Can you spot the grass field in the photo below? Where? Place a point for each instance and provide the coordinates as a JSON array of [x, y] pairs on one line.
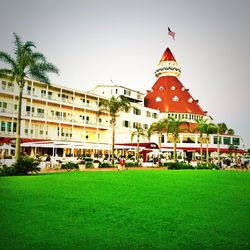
[[134, 209]]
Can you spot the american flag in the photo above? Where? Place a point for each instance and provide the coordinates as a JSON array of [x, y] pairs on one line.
[[171, 33]]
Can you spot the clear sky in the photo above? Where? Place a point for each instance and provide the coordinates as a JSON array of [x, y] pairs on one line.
[[96, 41]]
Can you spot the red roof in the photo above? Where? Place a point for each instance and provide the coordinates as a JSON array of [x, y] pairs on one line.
[[169, 95], [167, 56]]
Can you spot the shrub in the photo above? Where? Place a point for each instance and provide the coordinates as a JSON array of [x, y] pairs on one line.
[[207, 166], [105, 165], [7, 171], [130, 164], [178, 165], [23, 166], [89, 164], [70, 165], [88, 160]]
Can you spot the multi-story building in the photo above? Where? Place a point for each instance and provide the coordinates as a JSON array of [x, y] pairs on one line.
[[59, 114], [64, 118]]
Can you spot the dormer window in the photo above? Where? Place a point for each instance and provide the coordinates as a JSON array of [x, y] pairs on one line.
[[161, 88], [158, 99], [190, 100], [183, 89], [175, 99], [173, 87]]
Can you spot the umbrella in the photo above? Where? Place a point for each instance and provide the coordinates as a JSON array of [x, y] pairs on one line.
[[6, 146]]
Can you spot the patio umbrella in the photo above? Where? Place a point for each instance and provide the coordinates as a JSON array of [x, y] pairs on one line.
[[7, 146]]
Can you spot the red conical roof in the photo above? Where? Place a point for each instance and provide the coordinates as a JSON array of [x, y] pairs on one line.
[[168, 95], [167, 56]]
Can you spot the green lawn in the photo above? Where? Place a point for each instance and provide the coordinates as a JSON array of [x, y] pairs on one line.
[[134, 209]]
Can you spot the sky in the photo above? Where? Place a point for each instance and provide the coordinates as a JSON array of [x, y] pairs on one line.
[[99, 42]]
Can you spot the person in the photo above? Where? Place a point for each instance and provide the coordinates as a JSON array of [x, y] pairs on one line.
[[220, 165], [121, 162], [48, 158], [38, 159]]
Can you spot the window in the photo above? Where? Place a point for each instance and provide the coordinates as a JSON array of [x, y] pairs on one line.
[[116, 91], [148, 114], [43, 93], [127, 92], [126, 124], [2, 126], [162, 139], [14, 126], [3, 85], [29, 90], [137, 111], [161, 88], [40, 111], [226, 140], [127, 109], [215, 140], [9, 126], [3, 105], [175, 99], [190, 100], [145, 126], [10, 86], [236, 141], [158, 99], [136, 124], [173, 87], [154, 115]]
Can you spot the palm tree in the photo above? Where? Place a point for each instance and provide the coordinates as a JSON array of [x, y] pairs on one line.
[[159, 127], [26, 64], [230, 131], [174, 127], [113, 107], [209, 128], [233, 148], [221, 129], [138, 133], [149, 133], [201, 124]]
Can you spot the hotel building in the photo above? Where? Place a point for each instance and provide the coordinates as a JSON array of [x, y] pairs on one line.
[[67, 119]]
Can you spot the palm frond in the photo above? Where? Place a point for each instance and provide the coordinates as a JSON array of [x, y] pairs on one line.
[[28, 46], [18, 44], [38, 57], [6, 58], [47, 67], [6, 73], [39, 75]]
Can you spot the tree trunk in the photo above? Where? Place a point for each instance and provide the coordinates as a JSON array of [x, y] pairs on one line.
[[218, 147], [138, 142], [19, 119], [160, 135], [207, 151], [175, 149], [201, 153], [113, 142]]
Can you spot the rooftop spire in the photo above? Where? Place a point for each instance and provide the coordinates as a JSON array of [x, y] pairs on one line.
[[168, 65]]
